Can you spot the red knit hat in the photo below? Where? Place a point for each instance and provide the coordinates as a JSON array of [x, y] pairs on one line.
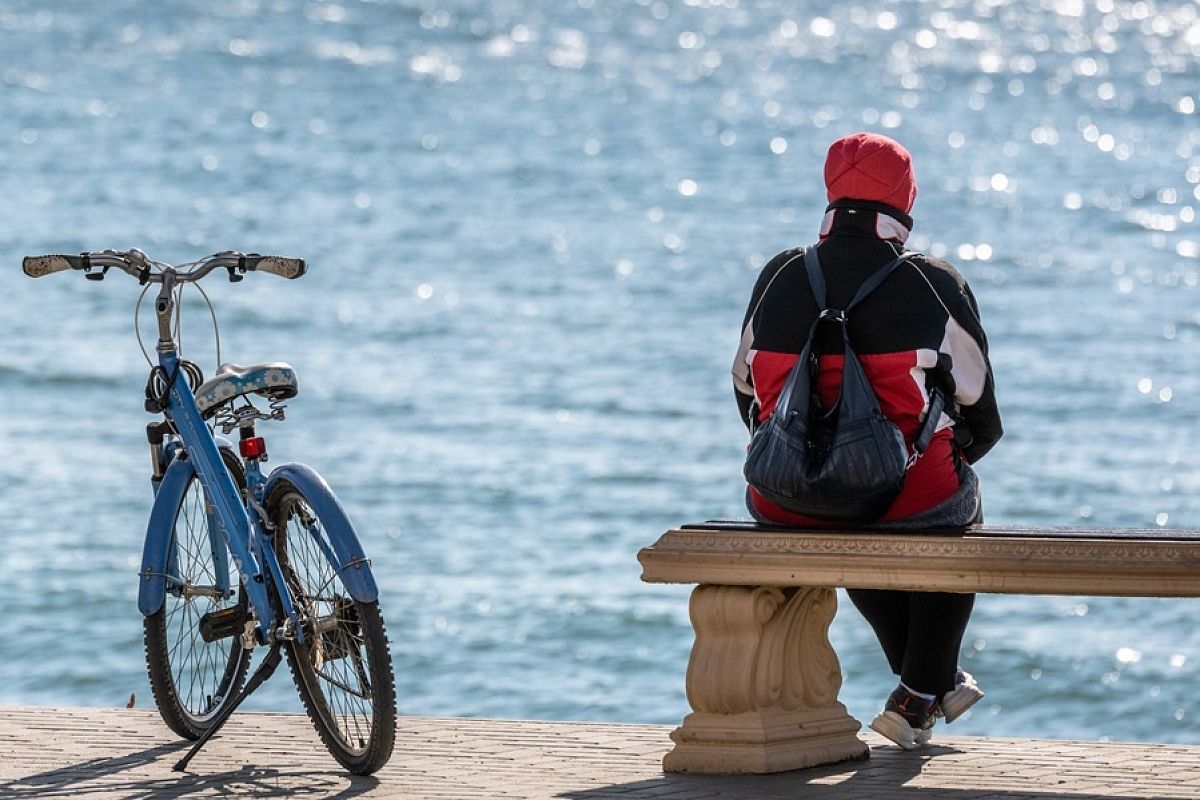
[[868, 166]]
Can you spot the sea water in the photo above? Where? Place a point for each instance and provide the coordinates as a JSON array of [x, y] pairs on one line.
[[532, 230]]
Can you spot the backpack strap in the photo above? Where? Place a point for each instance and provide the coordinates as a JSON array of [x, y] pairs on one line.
[[816, 280], [937, 404], [876, 279]]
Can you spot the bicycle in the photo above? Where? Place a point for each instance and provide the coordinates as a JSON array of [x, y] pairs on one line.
[[235, 559]]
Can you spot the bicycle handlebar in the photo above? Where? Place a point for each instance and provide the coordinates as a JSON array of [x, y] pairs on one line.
[[39, 266], [135, 263], [290, 268]]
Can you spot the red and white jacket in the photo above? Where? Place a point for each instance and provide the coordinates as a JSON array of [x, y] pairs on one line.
[[920, 329]]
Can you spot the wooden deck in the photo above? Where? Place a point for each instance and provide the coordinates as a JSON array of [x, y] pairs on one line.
[[109, 753]]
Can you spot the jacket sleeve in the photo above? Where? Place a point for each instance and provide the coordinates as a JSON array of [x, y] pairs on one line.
[[743, 381], [979, 426]]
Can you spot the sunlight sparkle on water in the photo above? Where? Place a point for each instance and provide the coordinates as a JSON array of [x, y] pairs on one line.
[[1127, 655]]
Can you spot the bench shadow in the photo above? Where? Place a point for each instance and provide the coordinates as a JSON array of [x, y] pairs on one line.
[[884, 775], [104, 776]]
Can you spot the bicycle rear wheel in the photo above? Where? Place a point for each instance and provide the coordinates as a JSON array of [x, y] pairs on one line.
[[192, 679], [343, 671]]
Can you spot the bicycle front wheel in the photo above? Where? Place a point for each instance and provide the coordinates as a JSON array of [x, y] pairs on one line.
[[193, 677], [343, 670]]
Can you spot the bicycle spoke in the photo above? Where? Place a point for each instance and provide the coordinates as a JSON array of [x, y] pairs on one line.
[[344, 686]]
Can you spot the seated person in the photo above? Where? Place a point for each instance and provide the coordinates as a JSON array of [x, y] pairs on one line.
[[918, 331]]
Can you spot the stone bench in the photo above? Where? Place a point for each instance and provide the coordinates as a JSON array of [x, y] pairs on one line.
[[763, 679]]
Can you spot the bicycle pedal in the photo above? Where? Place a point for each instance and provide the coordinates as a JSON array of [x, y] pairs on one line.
[[222, 624]]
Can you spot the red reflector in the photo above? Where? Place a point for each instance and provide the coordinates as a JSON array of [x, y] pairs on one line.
[[254, 447]]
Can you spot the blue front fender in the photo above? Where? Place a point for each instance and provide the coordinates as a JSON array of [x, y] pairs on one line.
[[353, 567], [156, 553], [152, 586]]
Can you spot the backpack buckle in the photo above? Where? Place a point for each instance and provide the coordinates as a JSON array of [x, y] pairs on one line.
[[835, 314]]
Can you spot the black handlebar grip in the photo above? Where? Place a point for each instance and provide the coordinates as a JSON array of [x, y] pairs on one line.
[[40, 266], [290, 268]]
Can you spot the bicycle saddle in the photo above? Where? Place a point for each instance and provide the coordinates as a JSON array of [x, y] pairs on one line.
[[272, 379]]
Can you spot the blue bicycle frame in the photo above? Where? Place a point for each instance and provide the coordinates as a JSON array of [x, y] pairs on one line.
[[230, 525]]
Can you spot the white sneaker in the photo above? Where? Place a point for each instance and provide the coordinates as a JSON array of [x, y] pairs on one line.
[[966, 693], [892, 726], [907, 719]]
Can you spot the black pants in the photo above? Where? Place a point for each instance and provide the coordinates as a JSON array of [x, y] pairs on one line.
[[921, 633]]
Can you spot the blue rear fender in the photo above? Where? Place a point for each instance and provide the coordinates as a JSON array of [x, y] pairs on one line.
[[353, 567]]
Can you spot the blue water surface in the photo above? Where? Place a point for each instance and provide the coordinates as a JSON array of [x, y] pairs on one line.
[[532, 229]]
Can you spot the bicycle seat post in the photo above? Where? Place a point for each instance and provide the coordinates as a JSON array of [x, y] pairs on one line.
[[164, 306]]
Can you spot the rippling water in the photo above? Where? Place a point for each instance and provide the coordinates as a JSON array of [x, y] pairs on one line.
[[532, 228]]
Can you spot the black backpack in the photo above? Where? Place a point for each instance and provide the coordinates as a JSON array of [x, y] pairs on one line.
[[844, 464]]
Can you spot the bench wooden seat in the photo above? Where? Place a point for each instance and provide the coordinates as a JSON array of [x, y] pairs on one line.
[[763, 679]]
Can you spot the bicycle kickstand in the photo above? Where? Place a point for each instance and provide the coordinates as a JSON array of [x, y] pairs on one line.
[[264, 671]]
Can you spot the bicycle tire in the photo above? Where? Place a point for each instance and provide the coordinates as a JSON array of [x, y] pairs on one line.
[[192, 680], [343, 673]]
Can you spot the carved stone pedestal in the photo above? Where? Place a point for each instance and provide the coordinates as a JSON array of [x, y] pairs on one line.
[[763, 683]]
